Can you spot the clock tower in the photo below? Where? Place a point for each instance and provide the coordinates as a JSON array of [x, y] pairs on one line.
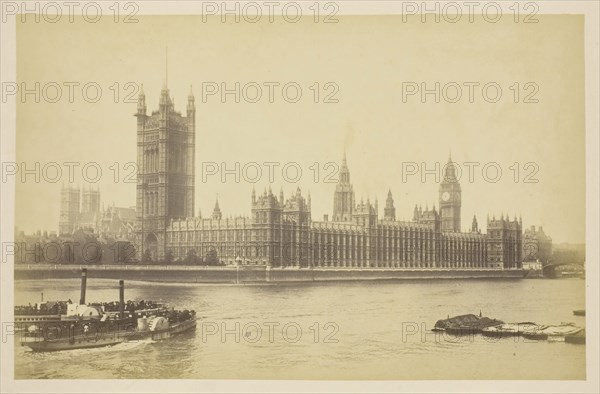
[[450, 197]]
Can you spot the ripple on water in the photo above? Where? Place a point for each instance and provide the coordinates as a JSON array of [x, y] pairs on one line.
[[371, 319]]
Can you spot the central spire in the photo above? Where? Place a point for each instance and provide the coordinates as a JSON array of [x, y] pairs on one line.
[[166, 67], [450, 170], [166, 103], [217, 211], [344, 171], [343, 200]]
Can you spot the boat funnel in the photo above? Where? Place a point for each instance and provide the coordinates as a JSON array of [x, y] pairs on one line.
[[121, 298], [83, 286]]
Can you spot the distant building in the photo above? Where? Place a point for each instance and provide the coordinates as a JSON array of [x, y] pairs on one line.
[[90, 200], [280, 232], [117, 222], [537, 246], [89, 216], [113, 222], [69, 209], [568, 253]]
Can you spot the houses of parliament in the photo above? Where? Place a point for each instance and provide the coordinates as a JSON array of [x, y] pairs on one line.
[[280, 230]]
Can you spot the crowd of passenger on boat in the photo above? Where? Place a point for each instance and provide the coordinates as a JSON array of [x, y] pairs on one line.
[[180, 316], [130, 306], [45, 308]]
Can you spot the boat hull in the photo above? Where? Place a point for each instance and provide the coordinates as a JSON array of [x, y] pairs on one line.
[[82, 341], [553, 333], [463, 330], [58, 345], [578, 338], [509, 330]]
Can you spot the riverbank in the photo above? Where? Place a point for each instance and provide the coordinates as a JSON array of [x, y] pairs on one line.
[[252, 274]]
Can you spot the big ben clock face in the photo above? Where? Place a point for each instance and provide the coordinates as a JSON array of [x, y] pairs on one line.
[[445, 196]]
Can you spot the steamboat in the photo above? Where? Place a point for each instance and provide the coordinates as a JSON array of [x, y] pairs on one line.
[[105, 324]]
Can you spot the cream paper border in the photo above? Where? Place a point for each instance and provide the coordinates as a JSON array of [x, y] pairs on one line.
[[590, 9]]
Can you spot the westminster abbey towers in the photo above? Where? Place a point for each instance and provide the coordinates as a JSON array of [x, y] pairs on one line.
[[165, 158]]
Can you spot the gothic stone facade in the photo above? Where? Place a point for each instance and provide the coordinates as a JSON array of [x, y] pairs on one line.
[[280, 232], [165, 158]]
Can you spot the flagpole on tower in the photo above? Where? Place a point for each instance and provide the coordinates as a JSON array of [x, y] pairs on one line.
[[166, 66]]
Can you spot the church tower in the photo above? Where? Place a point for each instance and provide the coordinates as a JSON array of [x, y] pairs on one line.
[[216, 215], [69, 209], [389, 212], [474, 225], [266, 228], [165, 159], [450, 198], [90, 199], [343, 199]]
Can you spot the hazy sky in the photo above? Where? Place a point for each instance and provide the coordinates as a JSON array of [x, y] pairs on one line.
[[368, 59]]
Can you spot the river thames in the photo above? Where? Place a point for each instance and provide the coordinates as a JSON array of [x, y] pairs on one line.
[[350, 330]]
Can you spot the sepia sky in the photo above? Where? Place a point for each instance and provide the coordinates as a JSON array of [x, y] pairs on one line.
[[368, 58]]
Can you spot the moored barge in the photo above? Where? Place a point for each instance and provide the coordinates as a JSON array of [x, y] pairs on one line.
[[509, 329], [465, 324]]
